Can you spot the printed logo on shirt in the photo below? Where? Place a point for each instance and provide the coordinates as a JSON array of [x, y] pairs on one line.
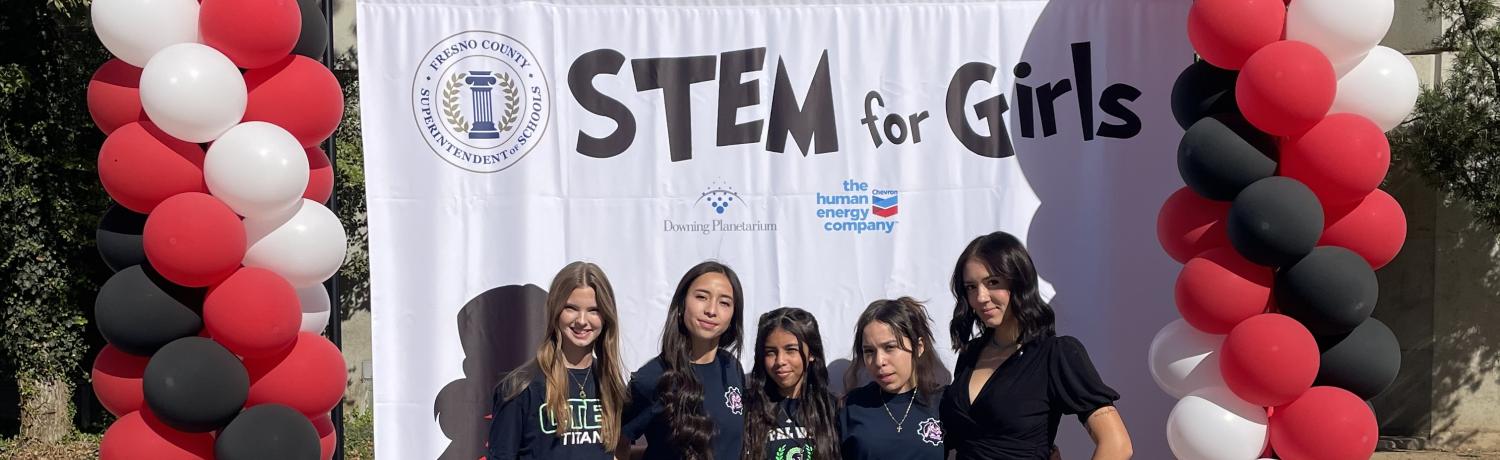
[[931, 431], [586, 415], [732, 401], [794, 452], [787, 434]]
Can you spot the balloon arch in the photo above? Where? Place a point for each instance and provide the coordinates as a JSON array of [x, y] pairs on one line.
[[220, 239], [221, 242], [1280, 230]]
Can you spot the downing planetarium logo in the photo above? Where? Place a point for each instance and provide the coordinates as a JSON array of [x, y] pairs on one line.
[[481, 100]]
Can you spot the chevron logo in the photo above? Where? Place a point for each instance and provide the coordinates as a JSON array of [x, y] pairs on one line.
[[884, 207]]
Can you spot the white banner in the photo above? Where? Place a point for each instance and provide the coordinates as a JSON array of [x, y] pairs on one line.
[[833, 154]]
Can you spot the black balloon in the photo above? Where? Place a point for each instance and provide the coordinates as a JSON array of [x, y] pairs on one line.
[[268, 431], [1202, 90], [139, 312], [1222, 154], [119, 238], [1365, 361], [313, 41], [1275, 221], [1331, 291], [195, 385]]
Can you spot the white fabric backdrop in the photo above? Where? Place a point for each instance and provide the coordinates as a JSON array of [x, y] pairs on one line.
[[466, 232]]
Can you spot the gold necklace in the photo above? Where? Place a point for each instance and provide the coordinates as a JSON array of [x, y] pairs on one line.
[[582, 394], [888, 412]]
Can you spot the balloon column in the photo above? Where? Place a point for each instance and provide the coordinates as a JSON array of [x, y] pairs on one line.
[[219, 239], [1280, 230]]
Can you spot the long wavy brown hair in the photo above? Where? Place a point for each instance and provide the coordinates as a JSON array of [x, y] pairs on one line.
[[679, 389], [607, 360]]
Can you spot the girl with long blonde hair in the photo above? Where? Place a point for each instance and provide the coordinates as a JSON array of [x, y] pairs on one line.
[[566, 403]]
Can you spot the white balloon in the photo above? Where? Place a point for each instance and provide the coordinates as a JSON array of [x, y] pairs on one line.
[[135, 30], [1214, 424], [1184, 359], [316, 308], [257, 168], [1382, 88], [1344, 30], [192, 92], [305, 245]]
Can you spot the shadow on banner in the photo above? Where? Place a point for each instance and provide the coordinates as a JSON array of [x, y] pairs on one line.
[[1097, 143], [499, 330]]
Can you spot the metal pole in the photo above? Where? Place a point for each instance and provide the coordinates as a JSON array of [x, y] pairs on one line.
[[335, 319]]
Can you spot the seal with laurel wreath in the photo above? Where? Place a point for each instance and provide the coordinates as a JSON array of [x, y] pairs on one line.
[[481, 100]]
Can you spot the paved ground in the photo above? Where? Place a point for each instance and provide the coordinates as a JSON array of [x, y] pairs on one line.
[[1434, 456]]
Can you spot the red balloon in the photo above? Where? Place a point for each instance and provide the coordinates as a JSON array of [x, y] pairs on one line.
[[251, 33], [1326, 423], [298, 94], [327, 438], [194, 240], [320, 176], [1285, 88], [1342, 158], [1269, 360], [1226, 32], [1189, 224], [114, 95], [253, 313], [308, 377], [140, 166], [1219, 289], [140, 435], [117, 380], [1374, 228]]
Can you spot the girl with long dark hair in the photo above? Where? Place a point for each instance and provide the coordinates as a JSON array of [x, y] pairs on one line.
[[687, 401], [896, 415], [566, 403], [1016, 377], [789, 412]]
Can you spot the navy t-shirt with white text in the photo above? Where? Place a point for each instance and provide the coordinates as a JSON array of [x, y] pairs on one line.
[[524, 427]]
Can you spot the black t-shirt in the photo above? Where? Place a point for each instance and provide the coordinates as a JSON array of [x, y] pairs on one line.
[[723, 386], [524, 427], [790, 440], [868, 431], [1016, 412]]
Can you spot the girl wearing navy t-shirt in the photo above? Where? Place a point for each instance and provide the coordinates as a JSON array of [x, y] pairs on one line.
[[565, 404], [1016, 377], [789, 413], [687, 401], [896, 415]]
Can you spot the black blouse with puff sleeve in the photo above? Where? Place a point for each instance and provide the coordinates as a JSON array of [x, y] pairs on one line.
[[1016, 412]]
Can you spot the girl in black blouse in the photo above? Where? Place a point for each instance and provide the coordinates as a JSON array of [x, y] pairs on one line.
[[895, 416], [566, 403], [687, 401], [789, 413], [1016, 380]]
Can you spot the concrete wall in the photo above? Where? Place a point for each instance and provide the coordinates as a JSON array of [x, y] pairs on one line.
[[360, 389], [1466, 333], [343, 30], [1441, 297]]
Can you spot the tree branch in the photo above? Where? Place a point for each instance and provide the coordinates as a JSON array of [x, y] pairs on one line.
[[1478, 47]]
